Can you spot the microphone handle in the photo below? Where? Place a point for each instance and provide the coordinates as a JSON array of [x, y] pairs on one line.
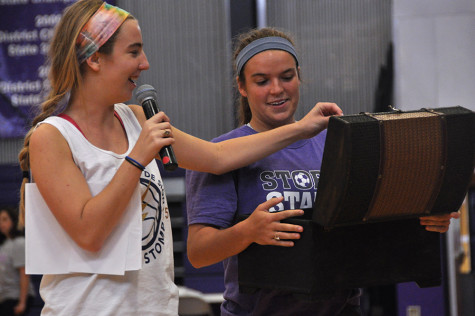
[[168, 158], [167, 155]]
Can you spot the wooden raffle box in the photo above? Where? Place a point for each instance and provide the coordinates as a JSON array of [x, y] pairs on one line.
[[380, 172]]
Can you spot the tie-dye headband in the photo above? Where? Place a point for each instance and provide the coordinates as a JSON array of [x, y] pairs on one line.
[[99, 29]]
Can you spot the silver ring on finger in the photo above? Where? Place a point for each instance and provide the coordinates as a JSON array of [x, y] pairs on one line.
[[276, 237]]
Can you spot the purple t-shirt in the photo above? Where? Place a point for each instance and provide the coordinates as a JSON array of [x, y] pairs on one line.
[[292, 172]]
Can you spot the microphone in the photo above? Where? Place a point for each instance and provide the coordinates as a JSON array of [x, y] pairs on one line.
[[146, 95]]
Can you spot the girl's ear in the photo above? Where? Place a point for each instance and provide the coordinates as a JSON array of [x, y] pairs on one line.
[[93, 61], [241, 88]]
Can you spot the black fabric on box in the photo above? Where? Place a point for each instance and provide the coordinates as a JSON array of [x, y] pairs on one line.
[[323, 261]]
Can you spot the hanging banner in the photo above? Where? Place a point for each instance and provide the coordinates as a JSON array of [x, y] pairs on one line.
[[26, 27]]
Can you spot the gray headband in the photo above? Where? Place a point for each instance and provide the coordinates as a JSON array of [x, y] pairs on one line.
[[262, 44]]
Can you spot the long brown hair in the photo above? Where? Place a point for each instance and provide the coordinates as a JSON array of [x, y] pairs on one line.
[[65, 74], [244, 111]]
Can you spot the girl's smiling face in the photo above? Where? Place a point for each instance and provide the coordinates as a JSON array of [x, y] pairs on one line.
[[272, 89], [122, 68]]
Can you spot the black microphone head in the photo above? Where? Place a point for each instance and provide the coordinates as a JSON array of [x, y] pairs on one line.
[[145, 92]]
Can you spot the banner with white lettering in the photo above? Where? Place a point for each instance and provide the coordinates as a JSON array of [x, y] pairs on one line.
[[26, 26]]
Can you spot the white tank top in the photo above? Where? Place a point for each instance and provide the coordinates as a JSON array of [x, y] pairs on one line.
[[149, 291]]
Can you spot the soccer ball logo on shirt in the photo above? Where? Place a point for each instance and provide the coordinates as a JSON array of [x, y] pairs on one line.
[[302, 180]]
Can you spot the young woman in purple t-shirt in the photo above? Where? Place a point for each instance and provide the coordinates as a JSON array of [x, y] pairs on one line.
[[268, 80]]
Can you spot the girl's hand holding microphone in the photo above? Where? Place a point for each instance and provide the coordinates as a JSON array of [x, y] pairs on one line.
[[156, 133]]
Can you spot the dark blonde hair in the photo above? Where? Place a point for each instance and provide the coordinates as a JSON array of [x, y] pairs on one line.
[[244, 111], [65, 74]]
